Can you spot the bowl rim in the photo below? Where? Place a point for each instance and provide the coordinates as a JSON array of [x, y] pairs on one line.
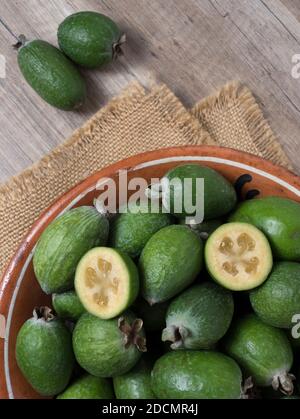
[[200, 153]]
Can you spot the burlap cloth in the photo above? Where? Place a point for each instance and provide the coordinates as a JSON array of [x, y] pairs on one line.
[[134, 122]]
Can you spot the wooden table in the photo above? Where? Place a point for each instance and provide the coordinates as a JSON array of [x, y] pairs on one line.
[[195, 46]]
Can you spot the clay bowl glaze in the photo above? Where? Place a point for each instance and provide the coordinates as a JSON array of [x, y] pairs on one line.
[[19, 290]]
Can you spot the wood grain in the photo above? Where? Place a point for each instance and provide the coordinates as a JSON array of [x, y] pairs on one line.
[[195, 46]]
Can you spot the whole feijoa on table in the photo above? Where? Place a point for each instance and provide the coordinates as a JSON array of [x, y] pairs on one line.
[[51, 74], [218, 197], [106, 348], [238, 256], [277, 300], [63, 243], [169, 262], [89, 387], [196, 375], [44, 352], [263, 352], [90, 39]]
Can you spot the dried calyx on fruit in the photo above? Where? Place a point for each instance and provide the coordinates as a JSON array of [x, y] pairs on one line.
[[131, 334]]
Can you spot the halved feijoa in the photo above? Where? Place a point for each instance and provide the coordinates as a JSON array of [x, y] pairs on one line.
[[106, 282], [199, 317], [277, 301], [238, 256]]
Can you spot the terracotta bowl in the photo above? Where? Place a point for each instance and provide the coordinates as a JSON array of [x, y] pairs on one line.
[[19, 290]]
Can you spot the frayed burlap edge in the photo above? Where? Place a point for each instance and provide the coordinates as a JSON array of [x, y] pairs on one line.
[[258, 127], [119, 107]]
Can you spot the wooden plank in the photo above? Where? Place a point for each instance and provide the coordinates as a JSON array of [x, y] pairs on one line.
[[194, 46]]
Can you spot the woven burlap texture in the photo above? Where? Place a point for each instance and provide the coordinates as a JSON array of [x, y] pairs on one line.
[[134, 122], [234, 119]]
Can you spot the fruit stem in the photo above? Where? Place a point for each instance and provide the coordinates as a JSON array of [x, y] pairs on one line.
[[176, 335], [117, 50], [44, 313], [284, 383], [21, 42]]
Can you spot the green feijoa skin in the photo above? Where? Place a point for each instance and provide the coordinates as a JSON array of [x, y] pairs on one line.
[[135, 384], [44, 353], [199, 317], [238, 256], [154, 317], [295, 340], [263, 352], [196, 375], [62, 245], [277, 300], [89, 387], [279, 219], [106, 348], [67, 305], [169, 263], [106, 282], [52, 75], [205, 229], [131, 230], [90, 39], [219, 195]]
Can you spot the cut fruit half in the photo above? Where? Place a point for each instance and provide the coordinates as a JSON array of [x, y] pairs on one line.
[[106, 282], [238, 256]]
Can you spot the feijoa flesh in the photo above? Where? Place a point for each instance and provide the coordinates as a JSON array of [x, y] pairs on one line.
[[106, 282], [238, 256]]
